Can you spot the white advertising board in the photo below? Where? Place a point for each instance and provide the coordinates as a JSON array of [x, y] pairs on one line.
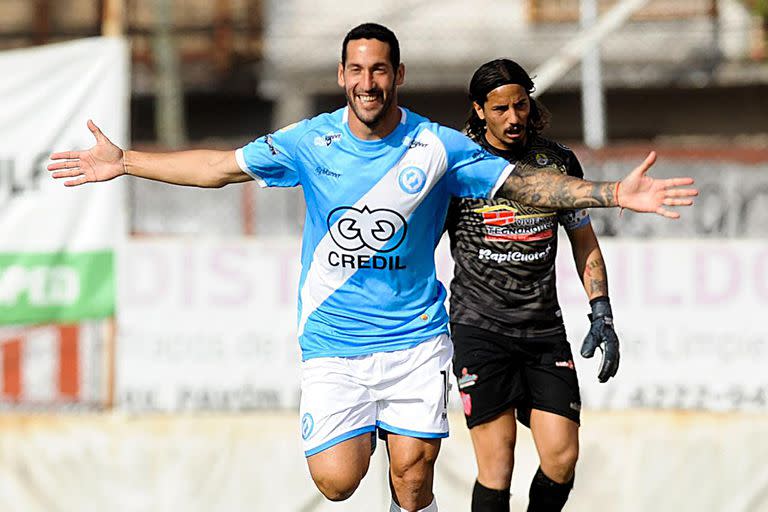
[[210, 324]]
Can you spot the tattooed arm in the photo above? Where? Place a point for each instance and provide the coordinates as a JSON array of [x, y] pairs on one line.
[[553, 189], [637, 191], [589, 261]]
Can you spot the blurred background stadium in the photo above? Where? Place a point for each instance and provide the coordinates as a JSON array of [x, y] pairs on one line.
[[154, 365]]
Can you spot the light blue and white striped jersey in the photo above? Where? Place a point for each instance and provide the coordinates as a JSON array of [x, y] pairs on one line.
[[375, 213]]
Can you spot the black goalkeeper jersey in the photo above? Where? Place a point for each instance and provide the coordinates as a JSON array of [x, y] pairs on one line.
[[504, 253]]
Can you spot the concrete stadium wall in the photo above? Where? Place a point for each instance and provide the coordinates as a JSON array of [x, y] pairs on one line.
[[633, 461]]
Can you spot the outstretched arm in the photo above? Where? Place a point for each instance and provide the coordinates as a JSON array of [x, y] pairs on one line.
[[637, 191], [106, 161]]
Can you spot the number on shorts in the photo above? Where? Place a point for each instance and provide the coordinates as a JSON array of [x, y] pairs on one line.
[[444, 373]]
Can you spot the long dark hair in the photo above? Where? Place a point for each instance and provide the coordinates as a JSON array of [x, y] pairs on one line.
[[494, 74]]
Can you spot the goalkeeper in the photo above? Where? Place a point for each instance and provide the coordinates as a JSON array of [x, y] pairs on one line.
[[512, 358]]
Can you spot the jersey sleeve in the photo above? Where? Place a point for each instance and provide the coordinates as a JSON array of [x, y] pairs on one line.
[[573, 219], [272, 160], [472, 171]]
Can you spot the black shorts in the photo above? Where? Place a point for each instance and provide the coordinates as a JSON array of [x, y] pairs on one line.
[[497, 372]]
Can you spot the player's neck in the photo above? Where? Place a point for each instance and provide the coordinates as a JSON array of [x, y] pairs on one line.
[[380, 130]]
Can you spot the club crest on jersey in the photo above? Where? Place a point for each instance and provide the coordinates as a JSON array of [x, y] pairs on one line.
[[412, 180], [307, 426], [542, 159]]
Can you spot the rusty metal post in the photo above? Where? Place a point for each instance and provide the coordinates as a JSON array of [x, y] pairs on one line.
[[113, 17], [169, 92], [42, 22], [223, 37]]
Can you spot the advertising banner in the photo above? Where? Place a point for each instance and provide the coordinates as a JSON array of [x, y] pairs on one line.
[[207, 324], [57, 245], [211, 324]]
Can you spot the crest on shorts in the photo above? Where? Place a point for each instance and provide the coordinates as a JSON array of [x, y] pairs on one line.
[[307, 426], [467, 379]]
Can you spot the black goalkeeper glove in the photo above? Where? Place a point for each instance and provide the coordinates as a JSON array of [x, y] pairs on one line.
[[601, 334]]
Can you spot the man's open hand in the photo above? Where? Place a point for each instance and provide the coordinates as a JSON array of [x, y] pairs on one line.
[[102, 162], [641, 193]]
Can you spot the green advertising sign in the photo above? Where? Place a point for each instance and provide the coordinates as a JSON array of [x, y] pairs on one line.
[[56, 287]]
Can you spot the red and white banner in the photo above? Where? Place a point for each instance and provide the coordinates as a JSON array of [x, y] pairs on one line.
[[53, 365]]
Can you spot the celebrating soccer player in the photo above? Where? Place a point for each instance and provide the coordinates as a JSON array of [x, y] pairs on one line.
[[372, 325]]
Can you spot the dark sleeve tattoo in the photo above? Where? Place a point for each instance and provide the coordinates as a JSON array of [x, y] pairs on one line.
[[549, 188]]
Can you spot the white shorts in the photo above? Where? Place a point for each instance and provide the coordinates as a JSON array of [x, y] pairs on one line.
[[403, 392]]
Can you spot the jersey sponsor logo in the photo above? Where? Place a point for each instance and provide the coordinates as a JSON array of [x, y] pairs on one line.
[[497, 215], [375, 262], [412, 143], [321, 170], [307, 426], [373, 229], [412, 180], [481, 154], [513, 256], [467, 379], [352, 230], [327, 139], [517, 235], [502, 223], [267, 139], [566, 364]]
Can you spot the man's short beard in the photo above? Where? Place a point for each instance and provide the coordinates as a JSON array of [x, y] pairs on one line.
[[373, 123]]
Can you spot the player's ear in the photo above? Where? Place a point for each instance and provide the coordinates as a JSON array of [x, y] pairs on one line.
[[400, 74], [478, 110], [340, 75]]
